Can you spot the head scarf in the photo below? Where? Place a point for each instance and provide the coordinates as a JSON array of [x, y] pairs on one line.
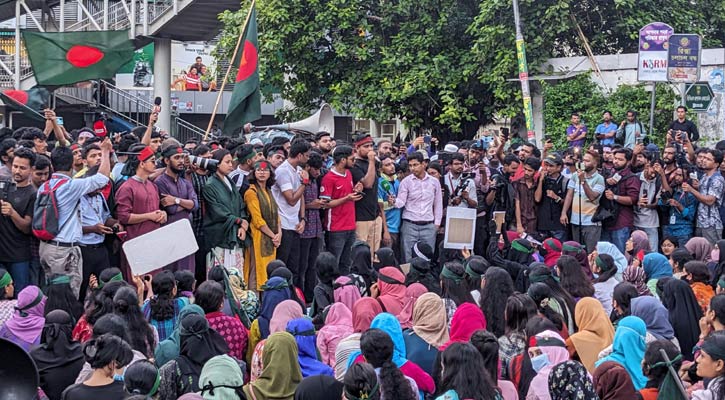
[[619, 260], [700, 248], [685, 314], [304, 333], [628, 349], [191, 396], [387, 323], [569, 380], [386, 257], [656, 266], [285, 273], [640, 243], [276, 290], [635, 275], [346, 292], [412, 293], [429, 319], [553, 251], [169, 349], [57, 347], [520, 252], [339, 317], [363, 313], [285, 312], [595, 331], [392, 289], [654, 315], [320, 387], [28, 320], [221, 379], [612, 382], [199, 342], [576, 250], [467, 319], [362, 263], [556, 355], [281, 373]]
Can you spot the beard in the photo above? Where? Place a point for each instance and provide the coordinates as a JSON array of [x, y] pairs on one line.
[[175, 170], [619, 168]]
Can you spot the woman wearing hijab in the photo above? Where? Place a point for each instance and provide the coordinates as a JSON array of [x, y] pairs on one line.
[[576, 250], [221, 379], [655, 266], [276, 290], [564, 303], [390, 290], [363, 313], [386, 258], [338, 325], [619, 260], [168, 349], [345, 291], [26, 324], [412, 293], [199, 344], [419, 271], [612, 382], [685, 315], [362, 264], [605, 282], [553, 249], [285, 312], [304, 333], [467, 319], [297, 294], [59, 359], [281, 373], [636, 276], [655, 317], [637, 244], [569, 380], [628, 349], [594, 335], [546, 351], [7, 292], [429, 331], [700, 248], [320, 387]]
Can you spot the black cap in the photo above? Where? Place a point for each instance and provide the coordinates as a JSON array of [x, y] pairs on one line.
[[553, 159]]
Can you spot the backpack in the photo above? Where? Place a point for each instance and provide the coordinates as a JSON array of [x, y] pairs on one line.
[[46, 215]]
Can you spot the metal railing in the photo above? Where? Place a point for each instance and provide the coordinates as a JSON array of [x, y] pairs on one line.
[[7, 78]]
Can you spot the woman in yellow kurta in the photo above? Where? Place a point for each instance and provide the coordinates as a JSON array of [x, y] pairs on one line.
[[265, 227]]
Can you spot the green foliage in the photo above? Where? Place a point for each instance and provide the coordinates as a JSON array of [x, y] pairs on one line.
[[441, 65], [580, 94]]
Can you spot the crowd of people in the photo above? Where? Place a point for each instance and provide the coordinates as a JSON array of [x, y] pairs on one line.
[[197, 79], [322, 272]]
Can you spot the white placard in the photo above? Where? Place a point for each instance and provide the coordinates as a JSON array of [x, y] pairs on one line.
[[160, 247], [460, 228]]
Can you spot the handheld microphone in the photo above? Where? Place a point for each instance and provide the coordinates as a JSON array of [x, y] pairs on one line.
[[157, 104]]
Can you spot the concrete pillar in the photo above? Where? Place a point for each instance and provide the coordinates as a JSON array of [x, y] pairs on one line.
[[162, 80]]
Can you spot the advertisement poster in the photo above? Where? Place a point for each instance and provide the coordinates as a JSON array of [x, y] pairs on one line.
[[652, 61], [183, 55], [139, 72], [683, 59]]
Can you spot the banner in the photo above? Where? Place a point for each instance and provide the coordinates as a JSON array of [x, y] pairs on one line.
[[139, 72], [683, 58], [652, 60], [183, 55]]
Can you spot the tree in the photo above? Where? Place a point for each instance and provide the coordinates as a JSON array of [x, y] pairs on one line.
[[440, 65]]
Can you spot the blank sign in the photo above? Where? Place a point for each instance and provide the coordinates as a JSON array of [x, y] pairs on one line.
[[160, 247]]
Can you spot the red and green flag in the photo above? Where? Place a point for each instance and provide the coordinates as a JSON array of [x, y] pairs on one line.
[[246, 102], [69, 57], [29, 102]]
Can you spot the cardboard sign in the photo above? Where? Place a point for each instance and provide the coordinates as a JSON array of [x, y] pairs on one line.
[[460, 228], [161, 247]]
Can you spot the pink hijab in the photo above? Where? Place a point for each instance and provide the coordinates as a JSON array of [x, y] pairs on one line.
[[285, 312], [346, 292], [391, 283], [338, 325], [412, 293], [28, 319], [467, 319], [363, 313], [556, 354]]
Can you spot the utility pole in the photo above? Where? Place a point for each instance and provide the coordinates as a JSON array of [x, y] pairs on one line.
[[523, 74]]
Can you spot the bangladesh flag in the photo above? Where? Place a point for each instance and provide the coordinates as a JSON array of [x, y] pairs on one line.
[[30, 102], [64, 58], [246, 102]]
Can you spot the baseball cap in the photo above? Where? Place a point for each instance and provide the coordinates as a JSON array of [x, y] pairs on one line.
[[553, 159]]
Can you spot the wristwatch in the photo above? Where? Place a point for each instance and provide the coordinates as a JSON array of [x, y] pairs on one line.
[[177, 201]]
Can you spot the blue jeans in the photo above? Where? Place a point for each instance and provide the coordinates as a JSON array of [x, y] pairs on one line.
[[558, 235], [652, 236], [340, 244], [20, 271], [410, 234], [617, 237]]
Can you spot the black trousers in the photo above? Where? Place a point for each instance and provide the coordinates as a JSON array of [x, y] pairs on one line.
[[307, 277], [95, 260], [288, 252]]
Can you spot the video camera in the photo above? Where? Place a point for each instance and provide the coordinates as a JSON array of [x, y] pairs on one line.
[[7, 186]]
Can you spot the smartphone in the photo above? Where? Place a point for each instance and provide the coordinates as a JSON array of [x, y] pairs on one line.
[[547, 138], [644, 192], [693, 176], [59, 120], [616, 177], [580, 166], [325, 198], [505, 133], [426, 139]]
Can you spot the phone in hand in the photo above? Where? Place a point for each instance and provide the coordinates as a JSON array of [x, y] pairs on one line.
[[616, 177], [59, 121], [580, 166], [427, 139]]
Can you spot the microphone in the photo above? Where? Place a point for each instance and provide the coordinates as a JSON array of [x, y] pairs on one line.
[[157, 104], [99, 128]]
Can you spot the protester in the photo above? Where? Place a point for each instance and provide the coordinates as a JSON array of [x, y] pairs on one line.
[[210, 297], [338, 325], [141, 378], [464, 374], [281, 373], [163, 308], [595, 332], [569, 379], [546, 351], [25, 326], [107, 355]]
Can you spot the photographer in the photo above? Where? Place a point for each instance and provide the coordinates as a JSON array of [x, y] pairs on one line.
[[549, 196], [524, 189], [16, 208], [501, 195], [461, 187], [646, 217], [631, 131], [681, 125], [708, 190], [680, 205]]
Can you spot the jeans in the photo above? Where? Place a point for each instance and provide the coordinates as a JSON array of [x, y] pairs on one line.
[[558, 235], [590, 235], [20, 272], [306, 280], [711, 234], [652, 236], [340, 244], [617, 237], [288, 251], [410, 234]]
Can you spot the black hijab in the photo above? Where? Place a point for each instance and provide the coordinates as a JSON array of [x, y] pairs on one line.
[[362, 263], [284, 272], [199, 343], [386, 258], [57, 348], [319, 387], [685, 314]]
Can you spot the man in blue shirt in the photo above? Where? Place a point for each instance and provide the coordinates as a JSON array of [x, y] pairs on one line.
[[62, 255], [388, 187], [606, 131]]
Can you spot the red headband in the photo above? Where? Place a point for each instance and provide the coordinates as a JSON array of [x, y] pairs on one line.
[[146, 153], [365, 140]]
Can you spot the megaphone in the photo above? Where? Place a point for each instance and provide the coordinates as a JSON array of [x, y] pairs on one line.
[[321, 121], [18, 373]]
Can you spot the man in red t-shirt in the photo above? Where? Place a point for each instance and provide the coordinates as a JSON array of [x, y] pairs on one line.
[[340, 196]]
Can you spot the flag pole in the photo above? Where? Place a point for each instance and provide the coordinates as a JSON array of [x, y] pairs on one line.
[[229, 69]]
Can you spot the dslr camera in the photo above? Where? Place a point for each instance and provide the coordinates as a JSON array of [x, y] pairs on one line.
[[208, 164]]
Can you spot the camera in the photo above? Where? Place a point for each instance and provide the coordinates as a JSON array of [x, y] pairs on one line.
[[7, 186], [204, 163]]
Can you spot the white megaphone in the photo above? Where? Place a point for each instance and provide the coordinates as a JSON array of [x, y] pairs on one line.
[[321, 121]]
